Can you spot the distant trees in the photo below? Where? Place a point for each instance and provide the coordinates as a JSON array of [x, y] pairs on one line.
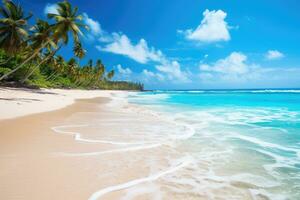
[[28, 54]]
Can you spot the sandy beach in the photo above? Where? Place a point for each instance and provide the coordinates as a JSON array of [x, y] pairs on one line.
[[90, 149], [91, 145], [16, 102]]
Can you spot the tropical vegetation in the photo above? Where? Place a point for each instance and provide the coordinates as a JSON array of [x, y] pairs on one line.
[[29, 52]]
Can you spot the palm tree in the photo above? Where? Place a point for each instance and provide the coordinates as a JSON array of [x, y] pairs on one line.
[[58, 66], [71, 67], [13, 27], [47, 57], [78, 50], [41, 35], [110, 74], [99, 70], [67, 20]]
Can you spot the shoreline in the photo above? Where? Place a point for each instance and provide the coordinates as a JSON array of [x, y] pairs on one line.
[[38, 161], [108, 148]]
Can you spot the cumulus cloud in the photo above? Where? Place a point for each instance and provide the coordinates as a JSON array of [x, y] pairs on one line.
[[274, 54], [139, 52], [233, 64], [50, 8], [213, 28], [235, 71], [124, 71], [167, 69], [233, 68], [173, 71], [148, 76], [93, 25]]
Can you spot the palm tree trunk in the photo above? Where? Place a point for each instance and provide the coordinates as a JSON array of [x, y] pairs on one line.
[[51, 75], [42, 62], [30, 73], [2, 63], [23, 63]]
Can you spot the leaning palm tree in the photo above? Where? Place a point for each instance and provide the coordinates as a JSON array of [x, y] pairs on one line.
[[13, 30], [58, 66], [41, 35], [44, 60], [13, 27], [67, 20]]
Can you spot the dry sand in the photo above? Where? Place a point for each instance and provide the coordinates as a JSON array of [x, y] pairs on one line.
[[16, 102]]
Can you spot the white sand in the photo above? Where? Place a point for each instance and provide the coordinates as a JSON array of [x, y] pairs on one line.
[[16, 102]]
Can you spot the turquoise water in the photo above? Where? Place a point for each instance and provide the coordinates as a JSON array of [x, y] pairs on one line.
[[244, 140]]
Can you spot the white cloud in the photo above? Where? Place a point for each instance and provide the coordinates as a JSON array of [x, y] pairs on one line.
[[173, 72], [233, 68], [124, 71], [149, 76], [213, 28], [233, 64], [274, 54], [50, 8], [166, 71], [139, 52], [235, 71], [94, 25], [142, 53]]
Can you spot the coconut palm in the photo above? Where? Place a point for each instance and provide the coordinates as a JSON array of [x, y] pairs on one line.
[[47, 57], [58, 66], [78, 50], [71, 67], [101, 68], [41, 36], [67, 20], [110, 74], [13, 27]]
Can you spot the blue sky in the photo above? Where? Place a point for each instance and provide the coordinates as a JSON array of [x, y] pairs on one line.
[[192, 44]]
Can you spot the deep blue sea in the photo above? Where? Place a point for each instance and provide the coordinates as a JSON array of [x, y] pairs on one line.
[[243, 140]]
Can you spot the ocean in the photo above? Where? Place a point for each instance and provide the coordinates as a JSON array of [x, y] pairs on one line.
[[241, 142]]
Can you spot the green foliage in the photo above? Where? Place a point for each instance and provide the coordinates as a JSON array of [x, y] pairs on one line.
[[40, 82], [4, 70], [121, 85], [29, 58], [13, 31]]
